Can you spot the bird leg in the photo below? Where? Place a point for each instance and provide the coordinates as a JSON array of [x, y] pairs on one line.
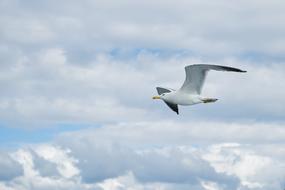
[[209, 100]]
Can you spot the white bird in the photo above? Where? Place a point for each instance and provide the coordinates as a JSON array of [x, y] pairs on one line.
[[190, 92]]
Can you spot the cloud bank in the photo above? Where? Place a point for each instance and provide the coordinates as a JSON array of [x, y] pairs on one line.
[[137, 157]]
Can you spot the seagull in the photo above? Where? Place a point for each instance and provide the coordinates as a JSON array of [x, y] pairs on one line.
[[190, 92]]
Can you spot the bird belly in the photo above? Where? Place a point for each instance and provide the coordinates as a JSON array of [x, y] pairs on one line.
[[186, 99]]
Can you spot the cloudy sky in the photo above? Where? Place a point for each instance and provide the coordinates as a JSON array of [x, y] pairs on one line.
[[76, 83]]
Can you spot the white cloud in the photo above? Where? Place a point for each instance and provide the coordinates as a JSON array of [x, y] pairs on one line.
[[172, 166], [46, 88], [94, 62], [154, 156], [256, 171], [182, 144], [65, 164]]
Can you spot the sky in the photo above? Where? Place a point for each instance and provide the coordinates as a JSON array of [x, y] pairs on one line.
[[76, 83]]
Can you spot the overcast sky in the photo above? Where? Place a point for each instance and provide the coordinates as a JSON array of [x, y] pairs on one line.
[[76, 83]]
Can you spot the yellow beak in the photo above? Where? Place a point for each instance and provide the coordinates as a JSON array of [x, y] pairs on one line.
[[156, 97]]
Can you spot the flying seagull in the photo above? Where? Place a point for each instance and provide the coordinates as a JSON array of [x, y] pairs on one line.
[[190, 92]]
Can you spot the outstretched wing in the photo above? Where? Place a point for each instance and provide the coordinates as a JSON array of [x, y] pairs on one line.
[[196, 74], [160, 91]]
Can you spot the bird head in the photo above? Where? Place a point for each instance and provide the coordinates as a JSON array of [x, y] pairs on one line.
[[161, 96]]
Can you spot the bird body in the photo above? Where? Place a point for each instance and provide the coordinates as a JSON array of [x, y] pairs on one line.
[[190, 92], [182, 98]]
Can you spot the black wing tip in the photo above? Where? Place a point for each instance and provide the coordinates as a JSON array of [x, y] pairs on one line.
[[232, 69], [241, 71], [222, 66], [238, 70], [177, 111]]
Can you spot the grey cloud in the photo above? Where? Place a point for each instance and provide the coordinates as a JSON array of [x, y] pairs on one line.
[[9, 167], [176, 166], [123, 148], [102, 160], [203, 28], [113, 164], [45, 167], [105, 161], [103, 156], [183, 133]]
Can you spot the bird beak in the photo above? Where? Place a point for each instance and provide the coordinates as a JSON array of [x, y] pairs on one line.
[[156, 97]]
